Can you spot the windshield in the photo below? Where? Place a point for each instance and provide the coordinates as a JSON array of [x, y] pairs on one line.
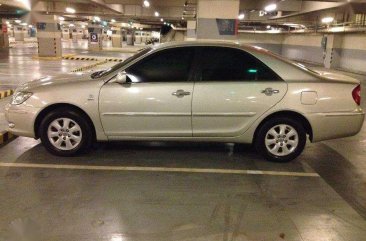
[[105, 72]]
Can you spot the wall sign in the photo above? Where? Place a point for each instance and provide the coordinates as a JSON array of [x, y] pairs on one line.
[[93, 37], [227, 26]]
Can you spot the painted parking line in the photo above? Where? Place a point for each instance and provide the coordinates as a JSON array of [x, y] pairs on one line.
[[158, 169]]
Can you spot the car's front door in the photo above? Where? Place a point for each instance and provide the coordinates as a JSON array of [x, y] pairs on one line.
[[233, 90], [156, 102]]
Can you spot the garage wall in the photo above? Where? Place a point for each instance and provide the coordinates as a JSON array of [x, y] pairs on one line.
[[303, 47], [353, 52], [350, 54], [272, 42]]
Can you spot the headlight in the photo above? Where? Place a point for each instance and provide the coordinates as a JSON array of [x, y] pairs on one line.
[[20, 97]]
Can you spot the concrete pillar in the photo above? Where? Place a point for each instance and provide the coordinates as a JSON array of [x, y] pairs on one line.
[[130, 38], [217, 19], [49, 36], [333, 50], [116, 37], [65, 34], [4, 38], [95, 42], [19, 33], [191, 30], [74, 33]]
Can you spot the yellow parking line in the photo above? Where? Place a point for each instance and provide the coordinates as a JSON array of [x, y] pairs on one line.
[[159, 169]]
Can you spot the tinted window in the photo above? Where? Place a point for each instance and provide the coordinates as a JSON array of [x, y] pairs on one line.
[[170, 65], [220, 64]]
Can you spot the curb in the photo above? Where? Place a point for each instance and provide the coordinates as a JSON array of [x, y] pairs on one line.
[[6, 93], [6, 137]]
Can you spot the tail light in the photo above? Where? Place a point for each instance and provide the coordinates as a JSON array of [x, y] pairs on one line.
[[356, 94]]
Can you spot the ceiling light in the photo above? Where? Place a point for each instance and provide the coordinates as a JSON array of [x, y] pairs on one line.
[[156, 14], [182, 18], [18, 21], [268, 26], [71, 25], [270, 7], [96, 18], [24, 24], [61, 18], [327, 20], [30, 26], [70, 10], [7, 22], [113, 21], [146, 4], [162, 20], [241, 16]]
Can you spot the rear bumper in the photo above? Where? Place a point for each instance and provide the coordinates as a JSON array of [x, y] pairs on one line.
[[21, 119], [334, 125]]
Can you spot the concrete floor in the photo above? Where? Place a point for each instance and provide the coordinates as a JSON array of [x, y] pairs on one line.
[[201, 191]]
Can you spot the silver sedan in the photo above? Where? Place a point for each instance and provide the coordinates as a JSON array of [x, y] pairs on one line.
[[191, 91]]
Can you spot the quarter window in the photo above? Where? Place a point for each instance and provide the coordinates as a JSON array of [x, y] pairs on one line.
[[229, 64], [171, 65]]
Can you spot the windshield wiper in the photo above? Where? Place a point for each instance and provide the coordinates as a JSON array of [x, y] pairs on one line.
[[97, 74]]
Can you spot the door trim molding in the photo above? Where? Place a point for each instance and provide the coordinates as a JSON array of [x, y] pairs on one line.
[[145, 114], [227, 114]]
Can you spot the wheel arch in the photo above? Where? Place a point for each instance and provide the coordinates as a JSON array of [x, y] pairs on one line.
[[53, 107], [289, 114]]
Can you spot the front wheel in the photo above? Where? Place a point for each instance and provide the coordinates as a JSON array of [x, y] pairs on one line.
[[281, 139], [65, 132]]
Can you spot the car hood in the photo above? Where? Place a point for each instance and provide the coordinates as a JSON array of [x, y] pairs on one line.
[[56, 80], [337, 77]]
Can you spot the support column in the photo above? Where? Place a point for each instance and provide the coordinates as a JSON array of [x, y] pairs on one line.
[[4, 38], [116, 37], [19, 33], [49, 36], [95, 42], [217, 19], [191, 30], [333, 50]]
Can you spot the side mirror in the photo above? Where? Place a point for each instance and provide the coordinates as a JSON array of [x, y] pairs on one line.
[[121, 78]]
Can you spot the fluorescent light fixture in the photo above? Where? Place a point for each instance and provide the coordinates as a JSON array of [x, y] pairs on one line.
[[7, 22], [146, 4], [24, 24], [18, 21], [83, 26], [156, 14], [113, 21], [70, 10], [96, 18], [162, 20], [268, 26], [71, 25], [61, 18], [270, 7], [30, 26], [241, 16], [327, 20]]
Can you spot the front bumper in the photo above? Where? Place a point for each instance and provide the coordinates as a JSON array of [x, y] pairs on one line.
[[334, 125], [21, 119]]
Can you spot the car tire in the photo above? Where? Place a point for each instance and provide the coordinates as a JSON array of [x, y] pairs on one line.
[[280, 139], [66, 132]]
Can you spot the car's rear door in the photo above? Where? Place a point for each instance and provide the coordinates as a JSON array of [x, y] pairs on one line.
[[157, 102], [233, 89]]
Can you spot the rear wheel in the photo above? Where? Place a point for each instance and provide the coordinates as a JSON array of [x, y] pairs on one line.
[[281, 139], [65, 132]]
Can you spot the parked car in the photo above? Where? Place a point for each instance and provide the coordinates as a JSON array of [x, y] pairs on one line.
[[191, 91]]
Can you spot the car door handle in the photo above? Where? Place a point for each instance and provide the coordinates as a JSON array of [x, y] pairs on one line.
[[181, 93], [269, 91]]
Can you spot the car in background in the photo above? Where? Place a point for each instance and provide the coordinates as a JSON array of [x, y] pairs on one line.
[[191, 91]]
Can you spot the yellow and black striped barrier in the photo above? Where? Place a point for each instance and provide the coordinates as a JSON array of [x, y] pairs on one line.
[[91, 58], [89, 66], [6, 93], [6, 136]]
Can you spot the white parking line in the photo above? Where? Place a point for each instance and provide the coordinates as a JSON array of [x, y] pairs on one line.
[[159, 169]]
